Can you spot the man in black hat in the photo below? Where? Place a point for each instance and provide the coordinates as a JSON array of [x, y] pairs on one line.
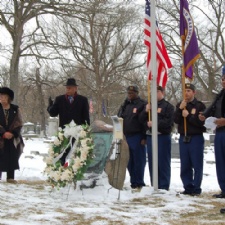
[[134, 132], [191, 141], [70, 106]]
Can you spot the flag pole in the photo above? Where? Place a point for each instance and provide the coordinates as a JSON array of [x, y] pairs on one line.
[[154, 98], [183, 84], [149, 98]]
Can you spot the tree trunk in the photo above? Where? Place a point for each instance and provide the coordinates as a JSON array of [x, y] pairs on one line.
[[14, 62], [41, 102]]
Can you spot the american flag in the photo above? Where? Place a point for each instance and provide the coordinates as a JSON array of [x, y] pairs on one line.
[[162, 58]]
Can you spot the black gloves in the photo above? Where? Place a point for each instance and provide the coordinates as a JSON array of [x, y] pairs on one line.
[[50, 101]]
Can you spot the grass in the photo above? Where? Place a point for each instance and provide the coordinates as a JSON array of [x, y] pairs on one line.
[[202, 210]]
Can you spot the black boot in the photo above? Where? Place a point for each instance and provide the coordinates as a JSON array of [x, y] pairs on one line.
[[222, 210]]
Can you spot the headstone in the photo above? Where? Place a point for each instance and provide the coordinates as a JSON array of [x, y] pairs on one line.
[[175, 152], [28, 128], [53, 124], [102, 143], [211, 138], [102, 136], [38, 128]]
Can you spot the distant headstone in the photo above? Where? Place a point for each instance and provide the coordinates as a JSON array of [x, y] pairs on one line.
[[28, 128], [175, 152], [211, 138], [53, 124], [38, 128]]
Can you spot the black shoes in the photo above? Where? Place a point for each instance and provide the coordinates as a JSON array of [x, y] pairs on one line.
[[221, 195], [190, 193], [222, 210]]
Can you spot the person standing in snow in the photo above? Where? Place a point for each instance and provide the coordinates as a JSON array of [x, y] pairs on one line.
[[191, 141], [134, 132], [165, 113], [70, 106], [217, 109], [11, 142]]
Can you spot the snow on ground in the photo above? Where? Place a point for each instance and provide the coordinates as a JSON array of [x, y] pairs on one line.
[[32, 200]]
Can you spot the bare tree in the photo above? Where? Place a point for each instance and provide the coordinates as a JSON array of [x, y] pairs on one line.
[[209, 26], [20, 18], [103, 47]]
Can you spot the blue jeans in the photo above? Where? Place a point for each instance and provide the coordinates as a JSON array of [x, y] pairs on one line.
[[219, 144], [164, 160], [137, 160], [191, 159]]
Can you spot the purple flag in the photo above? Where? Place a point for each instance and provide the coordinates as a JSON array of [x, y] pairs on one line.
[[189, 40]]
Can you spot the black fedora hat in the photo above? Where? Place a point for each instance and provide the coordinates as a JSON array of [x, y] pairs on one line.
[[7, 91], [71, 82]]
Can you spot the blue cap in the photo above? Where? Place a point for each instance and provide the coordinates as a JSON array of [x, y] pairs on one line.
[[223, 70]]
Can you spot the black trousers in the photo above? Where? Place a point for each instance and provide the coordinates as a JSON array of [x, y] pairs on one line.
[[10, 174]]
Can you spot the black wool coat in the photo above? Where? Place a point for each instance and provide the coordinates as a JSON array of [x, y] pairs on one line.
[[78, 111], [9, 154]]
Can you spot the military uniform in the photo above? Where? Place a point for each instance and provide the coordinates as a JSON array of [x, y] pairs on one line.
[[134, 133], [165, 123], [191, 146], [217, 109]]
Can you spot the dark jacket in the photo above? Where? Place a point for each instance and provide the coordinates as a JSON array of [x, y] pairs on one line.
[[194, 125], [130, 112], [217, 107], [77, 111], [10, 149], [165, 117]]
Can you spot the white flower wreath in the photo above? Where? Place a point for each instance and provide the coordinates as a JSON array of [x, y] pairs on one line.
[[78, 158]]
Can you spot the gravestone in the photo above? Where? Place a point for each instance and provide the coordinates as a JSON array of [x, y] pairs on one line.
[[102, 136], [29, 130], [53, 124]]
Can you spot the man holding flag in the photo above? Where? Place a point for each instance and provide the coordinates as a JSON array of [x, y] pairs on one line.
[[190, 127]]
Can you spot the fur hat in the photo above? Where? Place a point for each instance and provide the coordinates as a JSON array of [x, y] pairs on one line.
[[223, 70], [71, 82], [7, 91], [190, 86]]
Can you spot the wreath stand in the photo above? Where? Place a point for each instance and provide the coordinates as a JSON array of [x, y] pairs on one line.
[[118, 157]]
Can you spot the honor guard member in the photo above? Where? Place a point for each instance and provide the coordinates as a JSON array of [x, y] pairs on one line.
[[133, 130], [191, 141], [217, 109], [165, 113]]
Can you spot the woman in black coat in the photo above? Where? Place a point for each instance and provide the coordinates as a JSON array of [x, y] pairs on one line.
[[11, 143]]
